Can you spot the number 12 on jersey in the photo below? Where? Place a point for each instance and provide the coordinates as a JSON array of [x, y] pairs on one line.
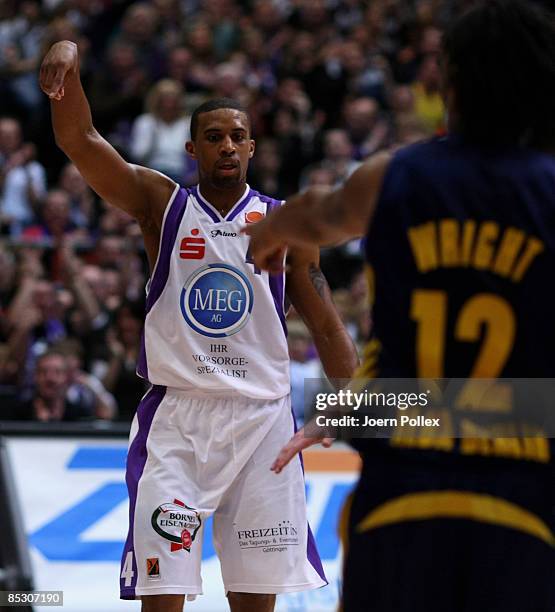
[[483, 314]]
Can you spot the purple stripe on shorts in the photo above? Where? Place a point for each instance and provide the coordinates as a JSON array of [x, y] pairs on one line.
[[276, 281], [142, 367], [204, 206], [311, 550], [136, 460], [167, 241], [240, 205]]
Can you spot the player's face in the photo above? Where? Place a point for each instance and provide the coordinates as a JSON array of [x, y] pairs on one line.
[[222, 147]]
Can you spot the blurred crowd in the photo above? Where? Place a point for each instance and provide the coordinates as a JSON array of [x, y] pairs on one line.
[[327, 83]]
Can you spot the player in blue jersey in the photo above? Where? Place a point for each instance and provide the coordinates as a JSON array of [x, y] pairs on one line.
[[460, 247], [215, 351]]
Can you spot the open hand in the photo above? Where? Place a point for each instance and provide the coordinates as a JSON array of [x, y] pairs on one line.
[[298, 443]]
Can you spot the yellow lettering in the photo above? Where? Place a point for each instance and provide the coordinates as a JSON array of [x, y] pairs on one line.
[[449, 242], [533, 248], [508, 251], [507, 447], [484, 245], [475, 446], [536, 449], [497, 317], [423, 242], [468, 240]]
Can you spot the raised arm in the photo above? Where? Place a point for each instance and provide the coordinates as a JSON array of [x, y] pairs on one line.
[[141, 192], [319, 216]]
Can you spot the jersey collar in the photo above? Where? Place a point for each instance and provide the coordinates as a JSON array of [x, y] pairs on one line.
[[214, 214]]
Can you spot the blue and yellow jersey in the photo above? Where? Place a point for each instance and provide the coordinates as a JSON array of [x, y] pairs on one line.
[[460, 262], [460, 257]]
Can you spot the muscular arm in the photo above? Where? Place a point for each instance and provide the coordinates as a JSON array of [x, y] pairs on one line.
[[139, 191], [309, 293], [320, 216]]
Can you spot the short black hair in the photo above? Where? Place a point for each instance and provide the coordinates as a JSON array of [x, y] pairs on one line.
[[212, 105], [500, 59]]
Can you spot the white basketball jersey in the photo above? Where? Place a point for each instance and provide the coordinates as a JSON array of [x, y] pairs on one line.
[[214, 321]]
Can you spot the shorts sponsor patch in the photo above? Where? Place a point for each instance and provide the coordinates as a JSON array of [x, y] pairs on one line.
[[153, 568], [276, 538], [177, 523]]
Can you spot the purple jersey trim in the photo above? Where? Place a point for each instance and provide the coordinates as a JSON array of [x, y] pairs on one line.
[[240, 205], [136, 460], [311, 550], [212, 214], [276, 281], [167, 241], [142, 367]]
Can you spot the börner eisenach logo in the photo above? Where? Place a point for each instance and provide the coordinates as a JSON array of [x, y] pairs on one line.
[[216, 300], [178, 523]]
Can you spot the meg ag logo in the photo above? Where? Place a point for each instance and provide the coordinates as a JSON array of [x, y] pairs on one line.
[[216, 300]]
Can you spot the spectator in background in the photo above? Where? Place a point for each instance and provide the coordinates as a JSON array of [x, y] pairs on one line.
[[111, 251], [228, 81], [36, 317], [265, 168], [221, 16], [367, 76], [22, 179], [200, 42], [139, 28], [21, 43], [367, 130], [179, 66], [259, 75], [84, 389], [118, 371], [81, 197], [170, 17], [158, 137], [117, 91], [317, 175], [49, 401], [428, 103], [339, 154], [55, 221]]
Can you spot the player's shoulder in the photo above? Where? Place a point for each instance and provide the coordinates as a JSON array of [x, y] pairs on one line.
[[259, 198], [423, 150], [159, 189]]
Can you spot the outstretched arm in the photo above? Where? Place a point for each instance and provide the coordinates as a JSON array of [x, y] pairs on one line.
[[139, 191], [319, 216]]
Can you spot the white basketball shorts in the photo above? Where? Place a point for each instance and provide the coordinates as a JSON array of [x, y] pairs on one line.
[[193, 455]]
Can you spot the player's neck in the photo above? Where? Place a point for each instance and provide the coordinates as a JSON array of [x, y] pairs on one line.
[[222, 200]]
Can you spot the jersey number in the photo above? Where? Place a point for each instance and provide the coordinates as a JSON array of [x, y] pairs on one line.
[[483, 311], [127, 572]]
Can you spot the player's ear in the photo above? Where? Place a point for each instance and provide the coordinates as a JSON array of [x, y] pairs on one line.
[[190, 148], [251, 148]]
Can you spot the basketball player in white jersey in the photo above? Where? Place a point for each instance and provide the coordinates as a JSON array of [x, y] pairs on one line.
[[215, 351]]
